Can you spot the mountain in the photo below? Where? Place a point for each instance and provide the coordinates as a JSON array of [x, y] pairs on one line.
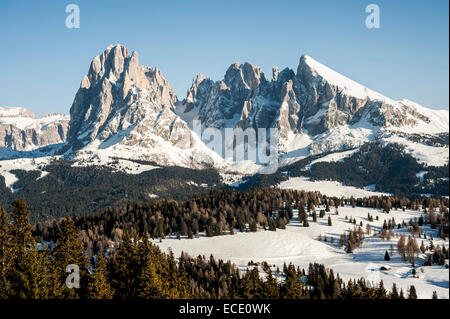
[[129, 111], [20, 130], [129, 138], [316, 109]]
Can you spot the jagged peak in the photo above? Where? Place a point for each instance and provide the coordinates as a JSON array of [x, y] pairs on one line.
[[248, 74]]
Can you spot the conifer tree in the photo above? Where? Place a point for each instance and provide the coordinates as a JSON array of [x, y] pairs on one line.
[[149, 284], [69, 251], [381, 291], [98, 285], [386, 256], [292, 287], [124, 268], [394, 292], [270, 285], [6, 250], [26, 276], [412, 293], [252, 286]]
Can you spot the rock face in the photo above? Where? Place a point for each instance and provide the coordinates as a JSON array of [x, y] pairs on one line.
[[119, 95], [124, 105], [21, 131], [315, 101]]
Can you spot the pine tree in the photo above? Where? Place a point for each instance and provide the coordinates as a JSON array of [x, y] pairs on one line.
[[68, 251], [98, 285], [124, 268], [422, 247], [6, 249], [329, 220], [381, 291], [301, 213], [149, 284], [270, 286], [252, 287], [292, 287], [394, 292], [412, 293], [26, 275], [434, 296], [386, 256]]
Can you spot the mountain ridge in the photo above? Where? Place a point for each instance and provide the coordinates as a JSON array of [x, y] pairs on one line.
[[125, 108]]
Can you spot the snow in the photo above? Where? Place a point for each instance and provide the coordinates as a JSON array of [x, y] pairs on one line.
[[333, 157], [431, 155], [300, 245], [232, 179], [26, 164], [24, 119], [438, 120], [119, 165], [329, 188], [420, 175], [12, 111], [296, 147], [349, 86]]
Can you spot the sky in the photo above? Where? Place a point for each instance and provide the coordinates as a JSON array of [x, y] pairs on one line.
[[42, 61]]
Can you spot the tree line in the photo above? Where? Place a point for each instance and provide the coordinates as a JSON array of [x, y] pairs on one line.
[[137, 269], [225, 212]]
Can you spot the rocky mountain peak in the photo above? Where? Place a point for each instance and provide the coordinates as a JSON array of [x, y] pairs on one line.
[[247, 75], [123, 106], [116, 93]]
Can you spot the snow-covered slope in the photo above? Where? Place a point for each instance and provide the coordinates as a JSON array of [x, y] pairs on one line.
[[301, 245]]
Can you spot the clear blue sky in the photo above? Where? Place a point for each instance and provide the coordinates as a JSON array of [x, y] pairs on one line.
[[42, 62]]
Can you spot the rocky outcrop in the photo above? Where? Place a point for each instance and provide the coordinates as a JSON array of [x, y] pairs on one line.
[[21, 131], [120, 101], [129, 109]]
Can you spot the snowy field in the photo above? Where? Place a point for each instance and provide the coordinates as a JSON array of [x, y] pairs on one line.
[[301, 245], [329, 188]]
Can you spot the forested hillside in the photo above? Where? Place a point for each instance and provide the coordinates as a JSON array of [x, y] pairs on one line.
[[137, 269]]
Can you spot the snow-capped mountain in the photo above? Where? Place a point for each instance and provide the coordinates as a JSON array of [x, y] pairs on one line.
[[123, 109], [20, 130], [316, 109]]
